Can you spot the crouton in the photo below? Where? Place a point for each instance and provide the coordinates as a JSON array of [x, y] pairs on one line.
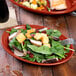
[[28, 35], [43, 37], [45, 40], [31, 30], [20, 37], [37, 36]]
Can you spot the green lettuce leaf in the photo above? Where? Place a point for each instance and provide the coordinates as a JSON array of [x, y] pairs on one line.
[[12, 31], [57, 48], [15, 43], [54, 33], [42, 49], [28, 26]]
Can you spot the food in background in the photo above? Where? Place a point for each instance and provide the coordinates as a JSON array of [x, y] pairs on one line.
[[37, 45], [44, 4], [58, 4], [35, 4]]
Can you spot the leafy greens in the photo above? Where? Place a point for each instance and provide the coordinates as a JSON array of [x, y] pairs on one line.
[[43, 52]]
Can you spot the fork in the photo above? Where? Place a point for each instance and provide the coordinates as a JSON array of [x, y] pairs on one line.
[[68, 41]]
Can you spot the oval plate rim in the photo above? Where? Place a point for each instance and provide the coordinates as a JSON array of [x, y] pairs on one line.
[[7, 49]]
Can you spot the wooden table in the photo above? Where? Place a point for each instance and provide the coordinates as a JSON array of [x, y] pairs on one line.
[[9, 66]]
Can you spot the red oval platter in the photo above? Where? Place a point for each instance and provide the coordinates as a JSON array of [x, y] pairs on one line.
[[71, 6], [4, 42]]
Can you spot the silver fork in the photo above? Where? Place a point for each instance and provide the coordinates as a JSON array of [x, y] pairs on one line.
[[73, 13], [68, 41]]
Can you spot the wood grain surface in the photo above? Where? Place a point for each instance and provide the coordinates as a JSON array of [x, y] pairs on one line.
[[9, 66]]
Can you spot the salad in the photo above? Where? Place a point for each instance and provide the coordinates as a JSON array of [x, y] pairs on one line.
[[37, 45], [44, 4]]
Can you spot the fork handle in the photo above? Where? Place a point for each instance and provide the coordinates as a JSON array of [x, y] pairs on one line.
[[73, 13], [68, 41]]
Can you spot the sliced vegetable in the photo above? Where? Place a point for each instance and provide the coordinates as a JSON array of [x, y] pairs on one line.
[[41, 30], [35, 42], [53, 60], [18, 53], [13, 35]]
